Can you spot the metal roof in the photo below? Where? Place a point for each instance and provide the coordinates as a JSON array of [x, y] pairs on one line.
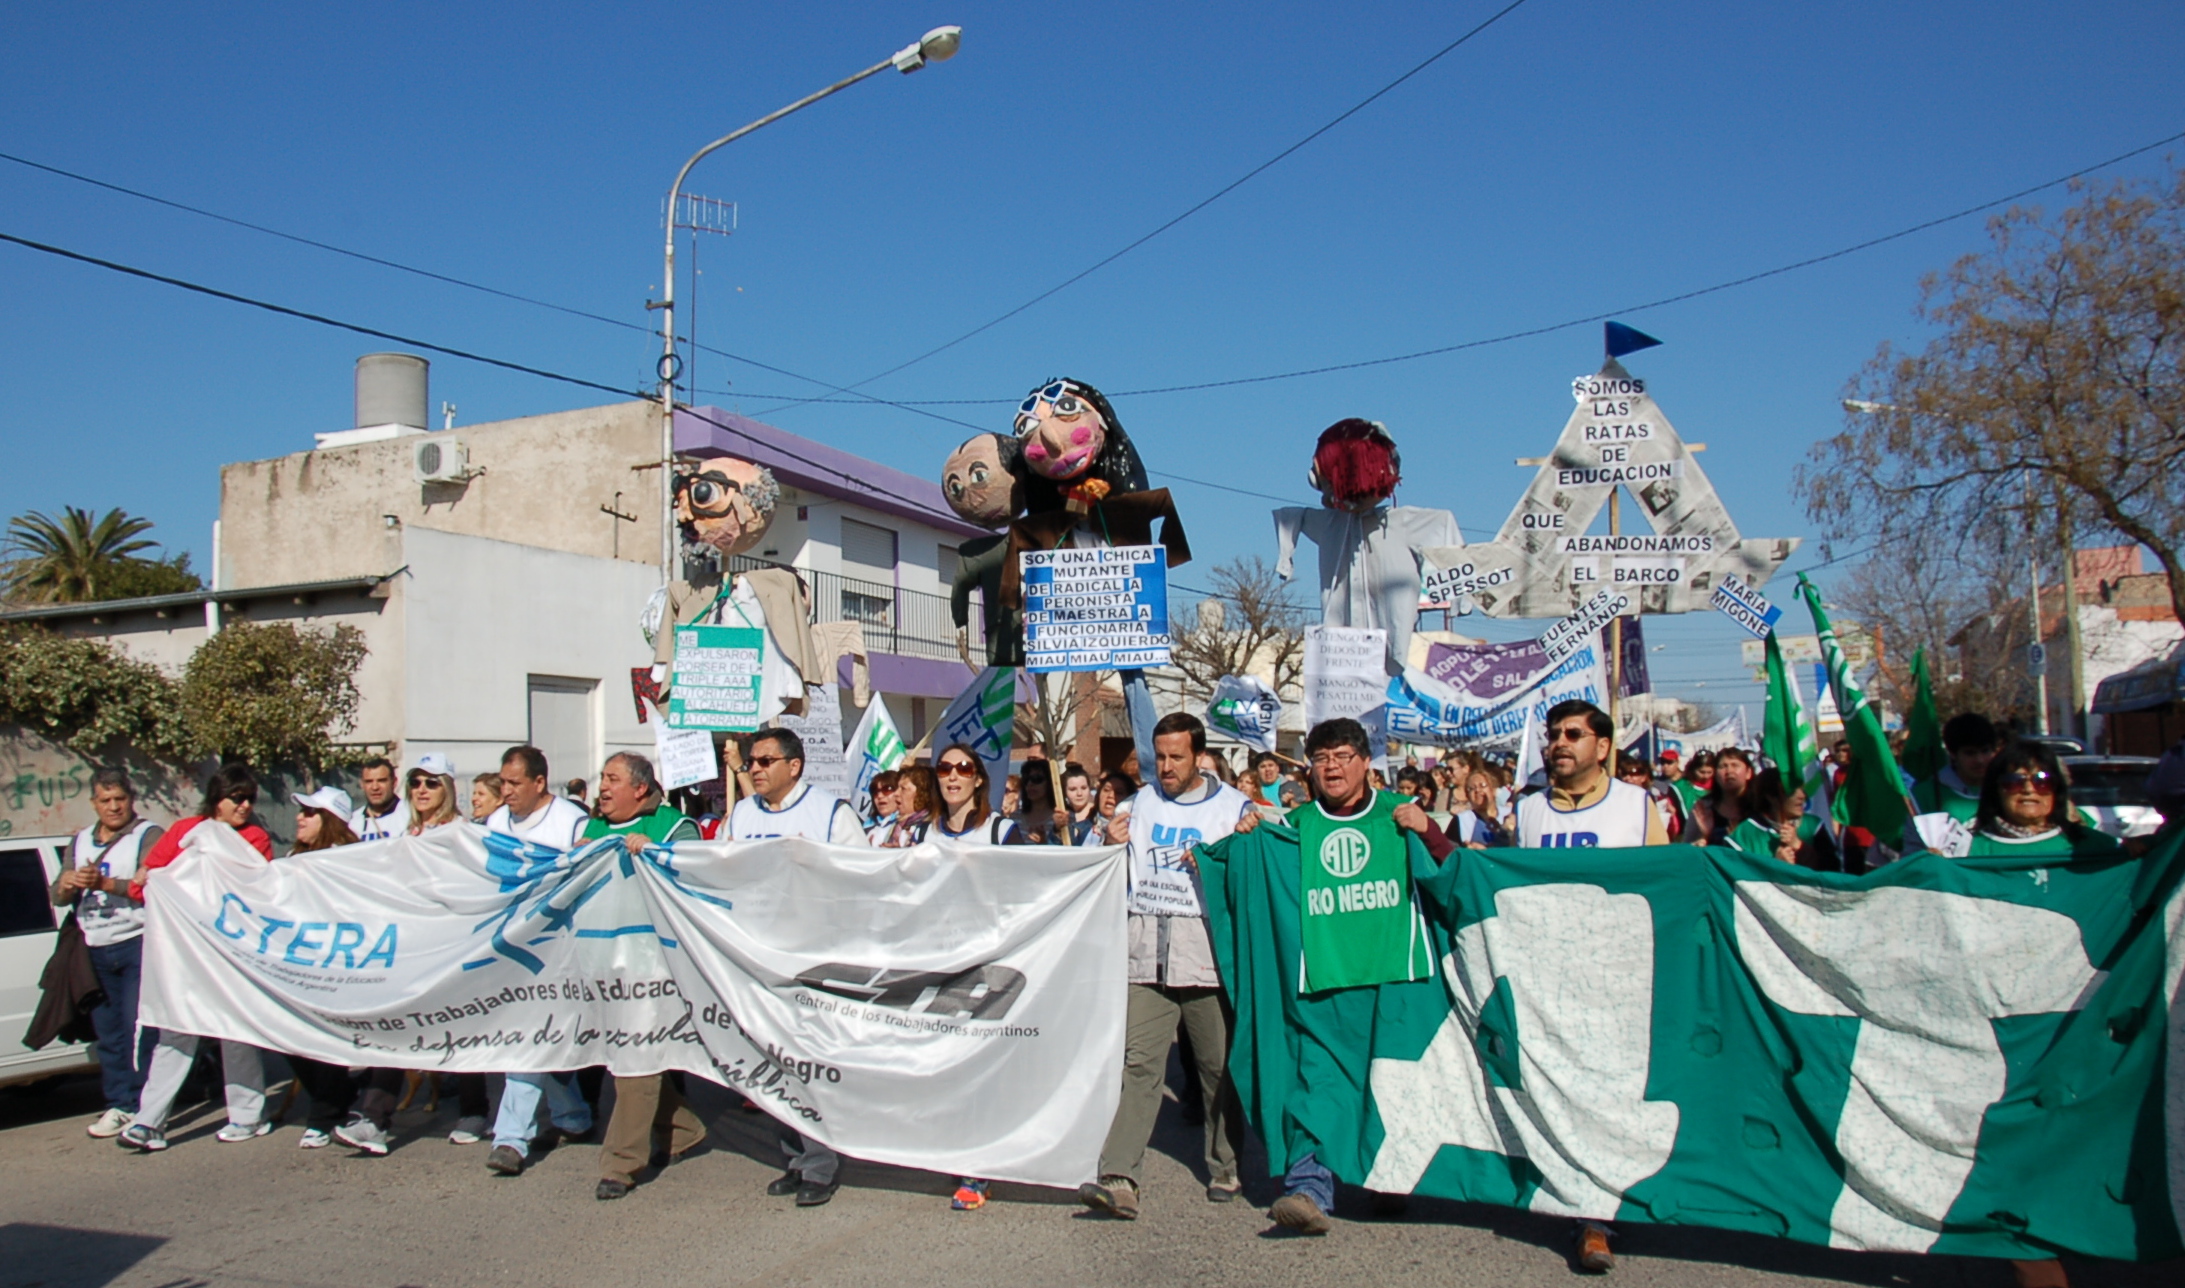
[[190, 598]]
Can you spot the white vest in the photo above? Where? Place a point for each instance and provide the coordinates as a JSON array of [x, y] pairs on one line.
[[1616, 820], [107, 919], [1163, 880], [378, 827], [559, 823], [810, 814]]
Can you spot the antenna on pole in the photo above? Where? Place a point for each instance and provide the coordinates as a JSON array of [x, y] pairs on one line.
[[700, 215]]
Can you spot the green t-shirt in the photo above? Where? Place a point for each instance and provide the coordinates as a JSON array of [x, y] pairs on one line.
[[1933, 796], [2074, 842], [1358, 925], [1757, 839], [1688, 793], [660, 825]]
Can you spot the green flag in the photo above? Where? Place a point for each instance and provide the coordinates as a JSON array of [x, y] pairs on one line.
[[1955, 1056], [1873, 792], [1923, 753], [1786, 734]]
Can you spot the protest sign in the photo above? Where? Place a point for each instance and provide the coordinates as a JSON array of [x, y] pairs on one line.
[[825, 767], [1244, 708], [783, 968], [1943, 1056], [1485, 695], [1346, 674], [1730, 731], [1579, 629], [683, 757], [1746, 606], [1543, 562], [874, 747], [714, 678], [1102, 609]]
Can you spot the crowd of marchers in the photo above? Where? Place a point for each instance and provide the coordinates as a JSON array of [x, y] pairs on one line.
[[1993, 796]]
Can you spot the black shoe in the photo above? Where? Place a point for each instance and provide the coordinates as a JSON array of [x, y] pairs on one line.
[[610, 1188], [784, 1185], [505, 1161], [810, 1194]]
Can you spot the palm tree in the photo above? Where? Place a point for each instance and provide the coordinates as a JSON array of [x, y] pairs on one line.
[[61, 561]]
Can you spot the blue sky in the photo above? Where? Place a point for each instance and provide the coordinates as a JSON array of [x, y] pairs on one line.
[[1574, 158]]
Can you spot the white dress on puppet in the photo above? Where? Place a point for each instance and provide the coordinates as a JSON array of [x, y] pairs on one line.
[[1369, 563]]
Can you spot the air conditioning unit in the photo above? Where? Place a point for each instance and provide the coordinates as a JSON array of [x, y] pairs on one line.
[[439, 458]]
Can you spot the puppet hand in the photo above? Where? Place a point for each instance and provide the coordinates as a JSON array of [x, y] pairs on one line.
[[963, 644]]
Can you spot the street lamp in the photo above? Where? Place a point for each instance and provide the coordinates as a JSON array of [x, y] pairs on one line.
[[937, 45]]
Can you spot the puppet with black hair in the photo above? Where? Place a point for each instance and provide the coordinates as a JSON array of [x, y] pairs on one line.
[[1369, 549], [982, 483], [1074, 449]]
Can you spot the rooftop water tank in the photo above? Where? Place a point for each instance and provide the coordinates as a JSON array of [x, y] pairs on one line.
[[391, 390]]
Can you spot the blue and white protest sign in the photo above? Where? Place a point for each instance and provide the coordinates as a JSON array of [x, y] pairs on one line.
[[1104, 609], [1745, 606]]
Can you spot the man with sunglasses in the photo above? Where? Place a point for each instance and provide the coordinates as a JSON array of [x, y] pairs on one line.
[[783, 805], [1585, 808]]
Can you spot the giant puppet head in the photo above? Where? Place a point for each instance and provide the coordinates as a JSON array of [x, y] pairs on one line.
[[1074, 447], [981, 480], [1355, 466], [726, 504]]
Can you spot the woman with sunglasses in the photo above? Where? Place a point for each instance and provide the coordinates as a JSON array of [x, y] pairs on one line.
[[231, 796], [430, 787], [2025, 811], [965, 814]]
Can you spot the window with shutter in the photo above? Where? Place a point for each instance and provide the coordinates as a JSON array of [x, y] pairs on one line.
[[868, 569]]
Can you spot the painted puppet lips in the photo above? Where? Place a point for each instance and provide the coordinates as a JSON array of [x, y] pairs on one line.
[[1071, 463]]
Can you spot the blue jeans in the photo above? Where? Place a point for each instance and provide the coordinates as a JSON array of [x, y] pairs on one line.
[[124, 1054], [518, 1119], [1309, 1177]]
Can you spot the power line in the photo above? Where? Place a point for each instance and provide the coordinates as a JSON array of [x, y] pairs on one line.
[[1224, 191]]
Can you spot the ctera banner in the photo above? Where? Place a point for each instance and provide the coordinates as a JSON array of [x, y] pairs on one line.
[[979, 1038], [1969, 1056]]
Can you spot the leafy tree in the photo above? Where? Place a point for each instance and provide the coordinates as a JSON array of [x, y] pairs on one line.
[[1255, 628], [2048, 409], [272, 694], [76, 558], [87, 694]]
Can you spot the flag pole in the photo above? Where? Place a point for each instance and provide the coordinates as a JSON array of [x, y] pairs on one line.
[[1615, 639]]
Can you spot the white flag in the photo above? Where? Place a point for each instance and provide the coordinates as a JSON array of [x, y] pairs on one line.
[[983, 718], [1244, 708], [873, 749]]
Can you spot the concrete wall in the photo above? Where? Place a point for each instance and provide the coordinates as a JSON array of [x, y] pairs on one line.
[[45, 788], [320, 515], [480, 617]]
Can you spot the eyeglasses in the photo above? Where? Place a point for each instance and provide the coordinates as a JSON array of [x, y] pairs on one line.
[[1058, 395], [2040, 780], [1335, 759], [955, 769], [241, 797], [765, 762], [1571, 733]]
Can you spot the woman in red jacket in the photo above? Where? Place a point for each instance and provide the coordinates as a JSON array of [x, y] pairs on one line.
[[231, 797]]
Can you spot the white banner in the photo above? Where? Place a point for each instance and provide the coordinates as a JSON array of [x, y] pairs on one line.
[[981, 1037], [826, 768]]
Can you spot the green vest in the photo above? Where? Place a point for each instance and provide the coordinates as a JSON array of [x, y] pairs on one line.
[[1359, 926], [1933, 796], [660, 825], [1749, 837], [1688, 793]]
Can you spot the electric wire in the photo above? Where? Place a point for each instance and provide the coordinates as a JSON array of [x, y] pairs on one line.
[[1217, 195]]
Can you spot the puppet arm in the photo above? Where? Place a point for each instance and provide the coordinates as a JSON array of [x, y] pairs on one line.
[[1289, 521]]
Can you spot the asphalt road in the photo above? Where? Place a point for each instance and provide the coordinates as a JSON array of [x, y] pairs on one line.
[[79, 1213]]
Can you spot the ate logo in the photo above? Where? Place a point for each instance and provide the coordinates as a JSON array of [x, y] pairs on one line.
[[1344, 853]]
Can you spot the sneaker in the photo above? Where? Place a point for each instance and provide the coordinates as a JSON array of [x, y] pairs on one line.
[[468, 1131], [1298, 1212], [235, 1133], [1594, 1255], [109, 1124], [137, 1136], [361, 1133], [505, 1160], [1114, 1195], [970, 1195], [313, 1138]]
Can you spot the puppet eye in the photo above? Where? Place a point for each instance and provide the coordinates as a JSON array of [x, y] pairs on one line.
[[1068, 405], [956, 487], [705, 493], [978, 474]]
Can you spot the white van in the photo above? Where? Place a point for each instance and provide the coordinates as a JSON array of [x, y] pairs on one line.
[[29, 925]]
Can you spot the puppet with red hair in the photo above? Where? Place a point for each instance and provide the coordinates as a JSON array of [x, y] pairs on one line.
[[1369, 549]]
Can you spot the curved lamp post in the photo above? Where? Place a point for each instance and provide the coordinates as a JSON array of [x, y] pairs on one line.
[[935, 46]]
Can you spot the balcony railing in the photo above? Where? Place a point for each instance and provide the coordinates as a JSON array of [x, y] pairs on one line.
[[905, 622]]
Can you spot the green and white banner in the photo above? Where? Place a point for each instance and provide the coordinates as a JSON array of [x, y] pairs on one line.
[[1982, 1057]]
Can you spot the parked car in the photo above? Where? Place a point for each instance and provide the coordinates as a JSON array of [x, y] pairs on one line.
[[29, 924], [2111, 792], [2061, 744]]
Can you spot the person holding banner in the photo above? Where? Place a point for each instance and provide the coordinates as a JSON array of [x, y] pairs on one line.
[[782, 805], [529, 809], [883, 806], [1716, 814], [1173, 978], [1585, 808], [2024, 811], [965, 791]]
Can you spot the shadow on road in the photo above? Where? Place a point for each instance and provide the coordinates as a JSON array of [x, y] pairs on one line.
[[59, 1256]]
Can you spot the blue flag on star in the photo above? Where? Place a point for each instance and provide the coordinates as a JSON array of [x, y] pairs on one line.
[[1619, 339]]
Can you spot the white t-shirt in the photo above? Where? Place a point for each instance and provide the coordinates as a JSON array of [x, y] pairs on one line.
[[108, 919], [998, 829], [378, 827], [1163, 881], [807, 813], [1616, 820], [559, 823]]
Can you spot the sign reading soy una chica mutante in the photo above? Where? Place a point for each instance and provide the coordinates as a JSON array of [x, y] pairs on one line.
[[715, 678], [1104, 609]]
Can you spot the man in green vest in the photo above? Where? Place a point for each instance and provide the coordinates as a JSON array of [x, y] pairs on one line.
[[1972, 741], [632, 806], [1360, 926]]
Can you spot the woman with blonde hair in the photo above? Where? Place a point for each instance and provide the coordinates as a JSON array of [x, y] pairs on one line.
[[430, 786]]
